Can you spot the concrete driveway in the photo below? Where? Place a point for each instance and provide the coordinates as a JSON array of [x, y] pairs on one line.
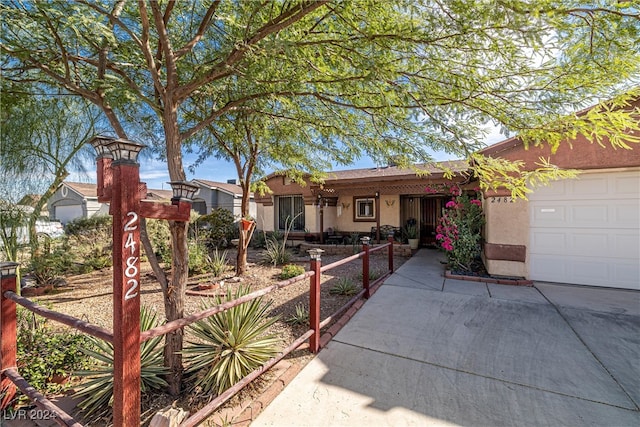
[[429, 351]]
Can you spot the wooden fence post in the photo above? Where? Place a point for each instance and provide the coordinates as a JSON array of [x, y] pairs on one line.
[[314, 299], [8, 330], [390, 240], [365, 266]]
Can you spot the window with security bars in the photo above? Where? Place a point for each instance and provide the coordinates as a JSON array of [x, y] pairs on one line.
[[290, 208]]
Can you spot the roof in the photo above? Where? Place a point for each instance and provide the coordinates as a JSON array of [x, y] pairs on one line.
[[86, 190], [91, 190], [233, 189], [396, 172]]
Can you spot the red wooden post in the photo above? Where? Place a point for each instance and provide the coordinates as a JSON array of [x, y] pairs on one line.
[[314, 299], [365, 267], [390, 240], [8, 330], [125, 199]]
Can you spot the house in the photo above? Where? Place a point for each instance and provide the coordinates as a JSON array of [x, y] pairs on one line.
[[74, 200], [359, 200], [214, 195], [583, 231]]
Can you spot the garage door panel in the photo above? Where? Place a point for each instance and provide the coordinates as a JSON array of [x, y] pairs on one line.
[[587, 231], [549, 242]]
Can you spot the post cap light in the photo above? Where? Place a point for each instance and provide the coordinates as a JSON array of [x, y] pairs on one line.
[[183, 190], [124, 151], [365, 240], [315, 254], [8, 269], [99, 143]]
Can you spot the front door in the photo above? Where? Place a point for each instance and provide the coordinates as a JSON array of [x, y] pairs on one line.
[[425, 212]]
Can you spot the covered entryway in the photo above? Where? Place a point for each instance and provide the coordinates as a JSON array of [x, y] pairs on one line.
[[426, 211], [587, 231]]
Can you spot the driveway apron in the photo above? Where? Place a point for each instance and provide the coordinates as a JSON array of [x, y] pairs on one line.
[[429, 351]]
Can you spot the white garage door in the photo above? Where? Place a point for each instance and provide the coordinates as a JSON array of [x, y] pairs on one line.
[[64, 214], [587, 231]]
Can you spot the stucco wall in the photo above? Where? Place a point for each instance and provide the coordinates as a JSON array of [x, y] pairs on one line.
[[507, 224]]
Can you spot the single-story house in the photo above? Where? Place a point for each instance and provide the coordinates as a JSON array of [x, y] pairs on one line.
[[227, 195], [74, 200], [582, 231]]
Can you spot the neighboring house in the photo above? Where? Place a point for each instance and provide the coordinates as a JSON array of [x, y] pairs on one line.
[[74, 200], [214, 195], [582, 231]]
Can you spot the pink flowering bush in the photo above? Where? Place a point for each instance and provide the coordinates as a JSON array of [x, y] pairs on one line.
[[460, 228]]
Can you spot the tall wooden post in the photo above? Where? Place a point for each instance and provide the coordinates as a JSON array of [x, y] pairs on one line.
[[390, 240], [126, 293], [314, 299], [8, 330], [365, 266]]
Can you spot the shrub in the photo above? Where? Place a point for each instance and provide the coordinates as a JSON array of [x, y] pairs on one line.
[[43, 353], [49, 267], [160, 238], [98, 391], [199, 259], [218, 262], [218, 228], [300, 317], [90, 240], [231, 343], [291, 270], [459, 231], [276, 252], [345, 286]]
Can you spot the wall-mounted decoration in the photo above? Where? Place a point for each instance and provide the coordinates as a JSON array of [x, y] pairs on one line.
[[390, 202]]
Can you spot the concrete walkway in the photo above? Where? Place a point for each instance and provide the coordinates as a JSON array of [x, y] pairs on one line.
[[429, 351]]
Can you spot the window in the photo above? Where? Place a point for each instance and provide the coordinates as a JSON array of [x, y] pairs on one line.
[[364, 208], [290, 208]]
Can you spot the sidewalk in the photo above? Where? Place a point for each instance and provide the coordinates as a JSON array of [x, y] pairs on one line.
[[429, 351]]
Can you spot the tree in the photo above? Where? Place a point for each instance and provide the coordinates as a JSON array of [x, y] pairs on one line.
[[43, 138], [417, 73]]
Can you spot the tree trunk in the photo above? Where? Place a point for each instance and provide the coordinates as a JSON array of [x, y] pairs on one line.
[[243, 244], [174, 303]]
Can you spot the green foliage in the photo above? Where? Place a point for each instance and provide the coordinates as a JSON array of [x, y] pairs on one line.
[[48, 267], [230, 344], [97, 391], [160, 238], [218, 262], [275, 253], [44, 353], [199, 259], [345, 286], [410, 231], [460, 230], [291, 270], [218, 228], [89, 240], [300, 317]]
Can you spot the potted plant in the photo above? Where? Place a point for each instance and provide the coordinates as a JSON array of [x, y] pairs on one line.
[[411, 234]]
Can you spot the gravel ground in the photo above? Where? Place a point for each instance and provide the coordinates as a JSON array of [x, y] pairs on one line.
[[89, 297]]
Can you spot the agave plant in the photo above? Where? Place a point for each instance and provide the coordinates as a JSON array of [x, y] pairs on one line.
[[345, 286], [98, 390], [230, 344], [301, 315]]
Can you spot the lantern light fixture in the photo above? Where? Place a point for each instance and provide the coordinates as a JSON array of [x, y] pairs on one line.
[[315, 253], [99, 143], [8, 269], [365, 240], [183, 190], [124, 151]]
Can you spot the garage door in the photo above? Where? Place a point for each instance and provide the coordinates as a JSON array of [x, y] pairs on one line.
[[64, 214], [587, 231]]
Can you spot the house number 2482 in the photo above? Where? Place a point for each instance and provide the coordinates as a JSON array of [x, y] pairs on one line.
[[131, 269]]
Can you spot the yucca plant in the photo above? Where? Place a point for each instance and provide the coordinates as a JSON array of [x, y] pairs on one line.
[[218, 262], [301, 315], [230, 344], [345, 286], [98, 390]]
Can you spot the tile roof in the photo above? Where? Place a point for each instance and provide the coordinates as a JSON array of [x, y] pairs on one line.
[[391, 172], [87, 190]]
